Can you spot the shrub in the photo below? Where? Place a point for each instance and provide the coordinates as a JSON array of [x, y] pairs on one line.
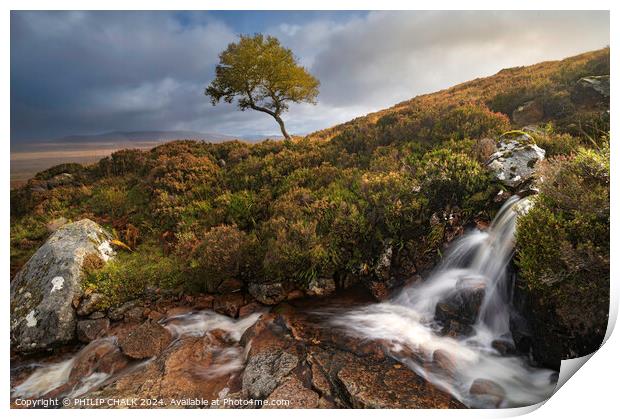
[[563, 254], [451, 179], [128, 275], [221, 255]]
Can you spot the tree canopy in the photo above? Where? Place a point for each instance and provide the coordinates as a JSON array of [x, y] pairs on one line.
[[264, 76]]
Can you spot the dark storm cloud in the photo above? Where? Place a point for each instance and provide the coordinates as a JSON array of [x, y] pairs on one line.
[[93, 72]]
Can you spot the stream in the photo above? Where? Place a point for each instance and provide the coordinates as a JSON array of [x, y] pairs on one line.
[[471, 363]]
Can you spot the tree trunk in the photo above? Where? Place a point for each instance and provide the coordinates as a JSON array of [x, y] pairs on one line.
[[281, 123]]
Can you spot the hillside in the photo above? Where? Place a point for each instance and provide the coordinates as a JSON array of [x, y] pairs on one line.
[[371, 204]]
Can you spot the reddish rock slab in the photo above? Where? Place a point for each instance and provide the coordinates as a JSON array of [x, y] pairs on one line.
[[145, 341]]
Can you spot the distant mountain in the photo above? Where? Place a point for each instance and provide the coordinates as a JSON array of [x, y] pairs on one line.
[[136, 136]]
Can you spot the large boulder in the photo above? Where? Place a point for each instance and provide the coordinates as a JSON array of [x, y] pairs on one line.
[[43, 292], [515, 159], [591, 91]]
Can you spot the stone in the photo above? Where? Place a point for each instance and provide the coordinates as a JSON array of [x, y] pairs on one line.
[[487, 392], [591, 91], [293, 391], [462, 305], [530, 112], [89, 330], [321, 287], [118, 313], [265, 370], [504, 347], [515, 159], [89, 304], [250, 308], [384, 264], [97, 315], [203, 302], [101, 356], [268, 294], [228, 304], [61, 179], [42, 293], [134, 314], [145, 341], [390, 386], [444, 363]]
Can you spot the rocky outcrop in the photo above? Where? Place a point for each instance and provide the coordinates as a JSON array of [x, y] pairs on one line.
[[42, 293], [321, 287], [530, 112], [91, 329], [460, 310], [268, 294], [515, 159], [591, 91], [147, 340]]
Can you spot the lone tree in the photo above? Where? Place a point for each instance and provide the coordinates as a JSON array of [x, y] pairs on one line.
[[264, 76]]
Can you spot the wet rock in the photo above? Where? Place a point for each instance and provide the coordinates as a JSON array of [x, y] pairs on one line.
[[203, 302], [228, 304], [250, 308], [487, 392], [230, 285], [530, 112], [154, 315], [504, 347], [89, 330], [463, 305], [294, 391], [515, 159], [391, 386], [265, 370], [268, 294], [321, 287], [145, 341], [101, 356], [379, 290], [118, 313], [42, 293], [90, 303], [444, 363], [591, 91]]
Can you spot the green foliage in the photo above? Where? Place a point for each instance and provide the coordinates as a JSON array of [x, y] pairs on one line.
[[563, 242], [448, 179], [263, 75], [325, 205], [222, 255], [130, 274]]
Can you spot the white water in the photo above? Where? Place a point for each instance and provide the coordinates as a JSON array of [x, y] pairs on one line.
[[226, 360], [407, 322]]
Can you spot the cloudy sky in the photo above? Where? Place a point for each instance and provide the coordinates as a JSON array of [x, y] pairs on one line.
[[92, 72]]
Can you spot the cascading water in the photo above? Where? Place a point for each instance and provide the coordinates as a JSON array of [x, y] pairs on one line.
[[226, 360], [467, 363], [477, 262]]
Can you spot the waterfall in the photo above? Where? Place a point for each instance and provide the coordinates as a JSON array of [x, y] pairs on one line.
[[468, 365]]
